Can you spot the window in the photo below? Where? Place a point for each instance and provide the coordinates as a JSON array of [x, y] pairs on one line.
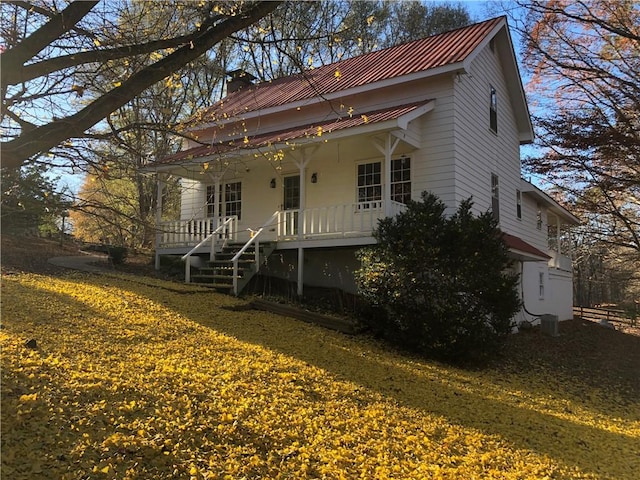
[[233, 199], [541, 284], [493, 110], [230, 204], [211, 195], [369, 185], [401, 180], [539, 218], [495, 197], [519, 204]]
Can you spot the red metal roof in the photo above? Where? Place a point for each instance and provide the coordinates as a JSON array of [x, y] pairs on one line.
[[519, 245], [420, 55], [283, 136]]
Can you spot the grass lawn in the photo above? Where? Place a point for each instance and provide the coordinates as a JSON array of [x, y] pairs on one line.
[[135, 377]]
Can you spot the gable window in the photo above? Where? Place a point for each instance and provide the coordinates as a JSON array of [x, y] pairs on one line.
[[493, 110], [401, 180], [369, 185], [230, 200], [539, 218], [519, 204], [495, 197]]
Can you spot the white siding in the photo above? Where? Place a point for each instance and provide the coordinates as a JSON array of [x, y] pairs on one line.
[[433, 166], [528, 230], [558, 292], [481, 152], [193, 199]]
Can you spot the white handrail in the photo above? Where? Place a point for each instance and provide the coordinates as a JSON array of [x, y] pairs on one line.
[[187, 256], [254, 238]]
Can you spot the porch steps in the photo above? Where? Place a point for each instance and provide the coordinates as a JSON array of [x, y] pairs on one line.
[[218, 273]]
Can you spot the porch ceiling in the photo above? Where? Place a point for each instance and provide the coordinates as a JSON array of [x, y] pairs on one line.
[[396, 117]]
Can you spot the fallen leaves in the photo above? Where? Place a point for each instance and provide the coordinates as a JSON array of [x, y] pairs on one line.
[[155, 380]]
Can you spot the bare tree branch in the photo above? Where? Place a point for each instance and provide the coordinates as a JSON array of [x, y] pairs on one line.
[[45, 137]]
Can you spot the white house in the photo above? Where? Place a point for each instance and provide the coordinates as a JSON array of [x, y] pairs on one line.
[[305, 165]]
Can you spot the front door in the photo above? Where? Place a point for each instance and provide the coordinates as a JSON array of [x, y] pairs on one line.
[[291, 203]]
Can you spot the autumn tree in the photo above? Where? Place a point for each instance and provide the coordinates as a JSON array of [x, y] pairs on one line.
[[584, 58], [412, 20], [46, 49], [303, 35], [29, 201], [144, 129]]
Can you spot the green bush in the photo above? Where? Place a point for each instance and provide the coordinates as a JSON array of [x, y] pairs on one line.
[[440, 286], [117, 255]]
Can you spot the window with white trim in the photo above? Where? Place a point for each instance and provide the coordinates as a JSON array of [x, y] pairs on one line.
[[541, 285], [539, 217], [401, 180], [519, 204], [493, 109], [495, 197], [369, 185], [233, 199], [211, 195], [230, 200]]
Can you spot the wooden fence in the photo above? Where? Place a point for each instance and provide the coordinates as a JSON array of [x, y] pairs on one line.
[[627, 317]]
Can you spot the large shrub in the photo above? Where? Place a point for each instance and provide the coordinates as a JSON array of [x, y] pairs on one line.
[[440, 286]]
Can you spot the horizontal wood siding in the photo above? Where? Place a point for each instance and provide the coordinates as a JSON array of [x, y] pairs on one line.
[[528, 230], [192, 200], [433, 167], [479, 151]]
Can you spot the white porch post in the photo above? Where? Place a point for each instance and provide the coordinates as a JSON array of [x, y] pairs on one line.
[[160, 187], [303, 203], [558, 235], [300, 271], [387, 148], [302, 167]]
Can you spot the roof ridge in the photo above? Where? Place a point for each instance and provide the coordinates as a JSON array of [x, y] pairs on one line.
[[449, 48], [374, 52]]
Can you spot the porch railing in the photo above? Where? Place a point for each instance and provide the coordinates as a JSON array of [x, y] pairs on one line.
[[211, 237], [253, 240], [354, 219], [180, 233], [333, 221], [560, 261]]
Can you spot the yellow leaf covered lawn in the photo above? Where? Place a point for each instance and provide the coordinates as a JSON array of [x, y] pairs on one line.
[[144, 379]]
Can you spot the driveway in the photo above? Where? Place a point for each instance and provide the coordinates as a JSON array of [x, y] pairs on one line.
[[80, 262]]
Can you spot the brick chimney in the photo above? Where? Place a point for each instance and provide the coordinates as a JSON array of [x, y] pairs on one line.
[[238, 79]]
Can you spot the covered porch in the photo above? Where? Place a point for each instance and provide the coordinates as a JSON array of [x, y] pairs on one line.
[[324, 185], [332, 222]]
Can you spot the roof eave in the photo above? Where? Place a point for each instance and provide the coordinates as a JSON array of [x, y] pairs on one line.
[[450, 68], [555, 207]]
